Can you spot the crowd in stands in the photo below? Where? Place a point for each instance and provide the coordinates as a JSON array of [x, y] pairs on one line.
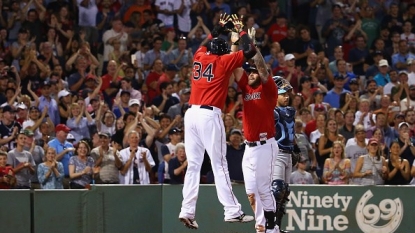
[[82, 82]]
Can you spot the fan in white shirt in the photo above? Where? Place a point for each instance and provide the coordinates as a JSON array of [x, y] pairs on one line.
[[409, 101], [135, 157]]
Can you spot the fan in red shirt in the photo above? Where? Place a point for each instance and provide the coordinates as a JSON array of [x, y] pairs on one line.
[[204, 128], [278, 30], [7, 179]]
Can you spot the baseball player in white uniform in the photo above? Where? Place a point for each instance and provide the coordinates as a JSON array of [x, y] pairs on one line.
[[204, 128]]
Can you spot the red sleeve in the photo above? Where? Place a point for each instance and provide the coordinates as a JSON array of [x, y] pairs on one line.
[[201, 50], [232, 61], [151, 78], [243, 82]]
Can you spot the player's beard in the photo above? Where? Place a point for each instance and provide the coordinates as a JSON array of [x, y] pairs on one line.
[[255, 83]]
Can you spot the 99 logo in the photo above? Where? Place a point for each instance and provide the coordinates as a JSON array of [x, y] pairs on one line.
[[388, 211]]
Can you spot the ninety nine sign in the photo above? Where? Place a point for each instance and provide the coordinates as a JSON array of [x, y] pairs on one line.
[[367, 209]]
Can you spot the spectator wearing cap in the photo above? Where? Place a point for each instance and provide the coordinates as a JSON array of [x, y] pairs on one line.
[[126, 86], [79, 124], [46, 101], [175, 136], [301, 176], [387, 89], [371, 168], [373, 94], [400, 91], [107, 161], [64, 99], [177, 109], [22, 162], [64, 150], [37, 153], [319, 109], [305, 46], [178, 165], [121, 104], [344, 73], [400, 59], [153, 54], [373, 69], [355, 147], [409, 101], [291, 73], [234, 154], [333, 96], [405, 142], [22, 115], [168, 151], [133, 106], [181, 56], [165, 100], [335, 29], [319, 127], [382, 78], [34, 120], [9, 127], [399, 118]]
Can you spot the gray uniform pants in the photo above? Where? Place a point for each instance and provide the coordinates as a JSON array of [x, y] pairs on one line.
[[283, 167]]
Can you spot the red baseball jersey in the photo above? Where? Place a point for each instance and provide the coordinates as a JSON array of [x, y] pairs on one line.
[[211, 77], [258, 113]]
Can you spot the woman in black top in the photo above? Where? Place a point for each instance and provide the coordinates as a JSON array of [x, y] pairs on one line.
[[398, 168]]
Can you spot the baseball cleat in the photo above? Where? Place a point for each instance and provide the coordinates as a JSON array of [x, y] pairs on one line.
[[189, 223], [242, 218]]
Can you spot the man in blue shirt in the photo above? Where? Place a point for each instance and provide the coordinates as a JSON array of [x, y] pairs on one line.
[[382, 78], [64, 150], [333, 96], [47, 101]]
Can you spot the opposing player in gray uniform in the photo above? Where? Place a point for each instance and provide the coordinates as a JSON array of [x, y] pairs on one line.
[[284, 116]]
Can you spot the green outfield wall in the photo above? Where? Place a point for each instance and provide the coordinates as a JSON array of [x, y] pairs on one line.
[[155, 208]]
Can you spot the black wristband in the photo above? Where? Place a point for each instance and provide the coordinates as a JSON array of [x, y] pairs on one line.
[[236, 42]]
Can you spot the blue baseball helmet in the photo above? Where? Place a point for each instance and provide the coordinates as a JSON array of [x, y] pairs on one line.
[[282, 84]]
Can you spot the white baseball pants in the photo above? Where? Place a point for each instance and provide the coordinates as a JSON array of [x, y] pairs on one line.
[[204, 129], [258, 167]]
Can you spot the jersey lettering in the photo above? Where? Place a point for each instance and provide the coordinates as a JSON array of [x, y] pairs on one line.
[[207, 72], [253, 96]]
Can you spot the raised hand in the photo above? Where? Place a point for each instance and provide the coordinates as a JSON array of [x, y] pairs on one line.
[[251, 34], [223, 19], [237, 23], [234, 37]]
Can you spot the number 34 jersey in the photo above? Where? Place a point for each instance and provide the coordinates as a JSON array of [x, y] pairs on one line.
[[210, 78]]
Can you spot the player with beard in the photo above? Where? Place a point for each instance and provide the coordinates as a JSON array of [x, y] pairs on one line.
[[259, 97]]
